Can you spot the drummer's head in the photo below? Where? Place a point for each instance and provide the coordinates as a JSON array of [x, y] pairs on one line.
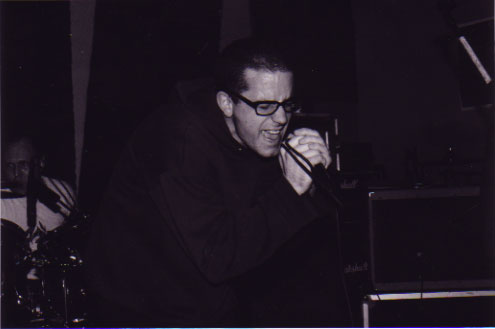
[[18, 159]]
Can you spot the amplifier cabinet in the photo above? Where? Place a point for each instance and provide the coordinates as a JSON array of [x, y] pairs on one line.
[[428, 239]]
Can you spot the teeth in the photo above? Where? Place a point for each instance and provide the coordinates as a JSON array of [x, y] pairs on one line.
[[273, 136]]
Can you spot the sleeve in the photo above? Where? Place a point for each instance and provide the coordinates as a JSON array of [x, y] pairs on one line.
[[224, 242]]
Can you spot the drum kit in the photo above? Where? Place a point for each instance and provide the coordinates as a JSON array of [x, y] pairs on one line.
[[43, 287]]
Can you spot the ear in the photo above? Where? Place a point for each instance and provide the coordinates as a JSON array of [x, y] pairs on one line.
[[225, 103]]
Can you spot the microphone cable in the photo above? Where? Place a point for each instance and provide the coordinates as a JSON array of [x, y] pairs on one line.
[[318, 180]]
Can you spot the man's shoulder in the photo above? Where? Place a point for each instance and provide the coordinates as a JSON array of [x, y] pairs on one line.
[[173, 121], [188, 98], [188, 90], [167, 123]]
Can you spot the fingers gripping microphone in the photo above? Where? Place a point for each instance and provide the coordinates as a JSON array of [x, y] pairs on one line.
[[318, 173]]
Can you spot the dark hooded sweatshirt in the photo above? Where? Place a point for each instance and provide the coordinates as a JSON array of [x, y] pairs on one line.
[[187, 211]]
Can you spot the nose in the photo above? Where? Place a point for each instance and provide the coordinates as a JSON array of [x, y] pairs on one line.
[[280, 116]]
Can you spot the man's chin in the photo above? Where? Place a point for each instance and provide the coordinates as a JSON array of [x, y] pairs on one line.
[[269, 152]]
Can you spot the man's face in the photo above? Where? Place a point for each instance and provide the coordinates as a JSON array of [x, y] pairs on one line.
[[262, 134], [16, 165]]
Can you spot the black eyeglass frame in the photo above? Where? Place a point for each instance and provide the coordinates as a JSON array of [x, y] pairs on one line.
[[255, 105]]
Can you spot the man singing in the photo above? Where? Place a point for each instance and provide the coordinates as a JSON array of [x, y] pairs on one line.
[[202, 194]]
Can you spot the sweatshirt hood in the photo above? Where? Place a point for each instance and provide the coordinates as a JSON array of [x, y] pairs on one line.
[[201, 102]]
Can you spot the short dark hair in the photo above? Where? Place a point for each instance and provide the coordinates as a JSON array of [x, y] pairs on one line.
[[248, 53]]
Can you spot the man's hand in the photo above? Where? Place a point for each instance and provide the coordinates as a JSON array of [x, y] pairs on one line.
[[311, 146]]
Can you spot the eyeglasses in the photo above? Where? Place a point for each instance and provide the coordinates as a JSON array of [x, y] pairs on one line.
[[265, 108]]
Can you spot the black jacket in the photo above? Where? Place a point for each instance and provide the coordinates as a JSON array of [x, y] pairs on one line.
[[188, 210]]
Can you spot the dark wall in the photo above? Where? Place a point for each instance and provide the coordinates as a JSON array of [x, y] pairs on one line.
[[408, 87], [36, 79], [320, 37], [140, 50]]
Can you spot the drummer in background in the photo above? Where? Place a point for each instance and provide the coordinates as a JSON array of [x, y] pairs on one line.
[[23, 184]]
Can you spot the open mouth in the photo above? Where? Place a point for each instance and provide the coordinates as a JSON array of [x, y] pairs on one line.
[[273, 135]]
